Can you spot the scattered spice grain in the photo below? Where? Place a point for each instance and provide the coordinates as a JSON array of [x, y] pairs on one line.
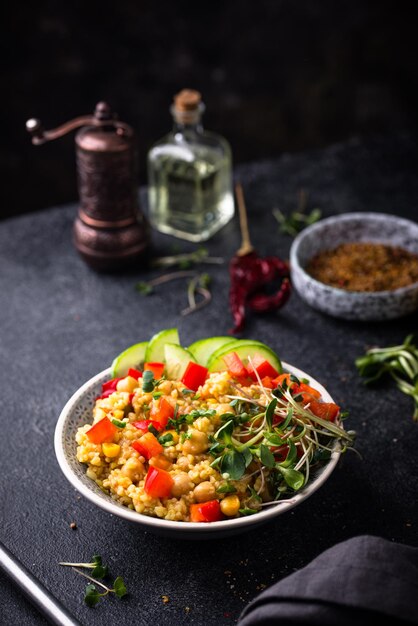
[[365, 266]]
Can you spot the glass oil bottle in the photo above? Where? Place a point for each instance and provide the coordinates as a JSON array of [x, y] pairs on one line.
[[190, 175]]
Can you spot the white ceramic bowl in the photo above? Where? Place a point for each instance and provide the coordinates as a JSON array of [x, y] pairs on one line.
[[354, 305], [77, 412]]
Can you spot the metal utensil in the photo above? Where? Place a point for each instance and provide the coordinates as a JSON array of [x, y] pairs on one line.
[[34, 590]]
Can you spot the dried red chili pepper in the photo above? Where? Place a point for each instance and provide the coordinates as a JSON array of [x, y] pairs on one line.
[[250, 274]]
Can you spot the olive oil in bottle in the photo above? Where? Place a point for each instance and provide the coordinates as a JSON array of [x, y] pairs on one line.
[[190, 175]]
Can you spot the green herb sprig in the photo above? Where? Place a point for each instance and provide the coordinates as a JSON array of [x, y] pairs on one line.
[[297, 220], [91, 594], [398, 362], [186, 260], [198, 286]]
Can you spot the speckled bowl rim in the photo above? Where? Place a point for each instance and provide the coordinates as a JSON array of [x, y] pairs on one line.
[[105, 502], [337, 219]]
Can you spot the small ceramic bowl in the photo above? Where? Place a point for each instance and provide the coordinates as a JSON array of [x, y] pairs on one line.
[[354, 305], [77, 412]]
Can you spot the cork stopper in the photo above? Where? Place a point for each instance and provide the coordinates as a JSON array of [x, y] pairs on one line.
[[187, 100], [187, 106]]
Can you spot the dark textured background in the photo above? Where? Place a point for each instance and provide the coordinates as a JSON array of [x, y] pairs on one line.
[[62, 323], [276, 75]]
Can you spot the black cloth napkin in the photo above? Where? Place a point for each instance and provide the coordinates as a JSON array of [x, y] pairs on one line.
[[364, 580]]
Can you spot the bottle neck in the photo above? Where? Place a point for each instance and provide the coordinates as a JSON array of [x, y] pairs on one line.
[[187, 123]]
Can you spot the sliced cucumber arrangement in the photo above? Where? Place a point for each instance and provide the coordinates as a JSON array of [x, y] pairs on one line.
[[156, 345], [165, 347], [132, 357], [203, 349]]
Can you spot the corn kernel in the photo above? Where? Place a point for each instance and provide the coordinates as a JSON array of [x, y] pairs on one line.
[[110, 449], [118, 414], [230, 505]]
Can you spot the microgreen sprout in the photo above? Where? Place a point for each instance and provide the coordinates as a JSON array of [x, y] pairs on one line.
[[92, 595], [399, 362], [98, 569], [187, 259], [148, 382], [279, 435], [198, 286], [297, 220]]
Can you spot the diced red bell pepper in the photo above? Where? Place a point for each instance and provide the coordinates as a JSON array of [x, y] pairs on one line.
[[279, 380], [143, 425], [156, 368], [194, 376], [148, 446], [110, 384], [133, 373], [163, 412], [326, 410], [106, 394], [262, 367], [158, 483], [206, 512], [302, 388], [235, 366], [267, 382], [308, 390], [102, 431]]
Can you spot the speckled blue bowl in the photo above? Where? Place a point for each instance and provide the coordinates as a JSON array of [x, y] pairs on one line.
[[354, 305]]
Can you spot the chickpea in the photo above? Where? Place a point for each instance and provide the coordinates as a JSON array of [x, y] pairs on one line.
[[230, 505], [133, 468], [182, 484], [127, 384], [197, 443], [223, 408], [204, 491], [183, 462]]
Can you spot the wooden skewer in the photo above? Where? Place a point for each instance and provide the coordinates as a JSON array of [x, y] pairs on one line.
[[246, 246]]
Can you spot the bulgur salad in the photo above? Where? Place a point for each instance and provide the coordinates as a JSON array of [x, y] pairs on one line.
[[216, 431]]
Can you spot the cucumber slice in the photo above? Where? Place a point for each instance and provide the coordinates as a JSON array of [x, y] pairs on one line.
[[244, 348], [203, 349], [155, 348], [134, 356], [221, 350], [177, 359]]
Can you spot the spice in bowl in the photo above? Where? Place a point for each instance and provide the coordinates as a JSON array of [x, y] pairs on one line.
[[365, 266]]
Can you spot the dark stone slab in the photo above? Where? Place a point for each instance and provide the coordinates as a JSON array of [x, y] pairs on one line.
[[61, 323]]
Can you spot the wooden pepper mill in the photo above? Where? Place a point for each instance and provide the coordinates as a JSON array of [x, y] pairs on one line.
[[110, 231]]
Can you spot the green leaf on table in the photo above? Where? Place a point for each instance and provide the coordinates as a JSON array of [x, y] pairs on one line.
[[144, 288], [91, 595], [119, 587]]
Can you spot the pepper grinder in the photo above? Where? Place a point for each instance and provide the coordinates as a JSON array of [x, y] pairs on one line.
[[110, 232]]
